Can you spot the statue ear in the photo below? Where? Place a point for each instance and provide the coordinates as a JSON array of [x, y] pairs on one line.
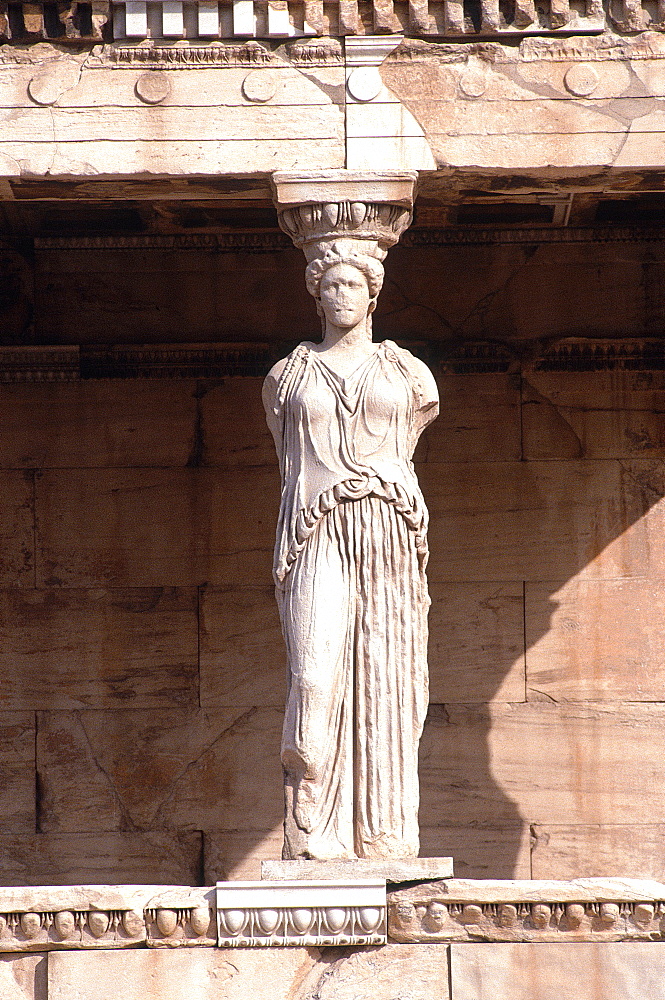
[[372, 305], [319, 310]]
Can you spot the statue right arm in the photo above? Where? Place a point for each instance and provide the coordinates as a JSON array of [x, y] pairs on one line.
[[270, 398]]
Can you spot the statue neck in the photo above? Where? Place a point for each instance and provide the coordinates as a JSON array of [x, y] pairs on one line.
[[355, 340]]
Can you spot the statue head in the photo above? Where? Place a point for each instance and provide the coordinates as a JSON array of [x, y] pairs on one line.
[[333, 273]]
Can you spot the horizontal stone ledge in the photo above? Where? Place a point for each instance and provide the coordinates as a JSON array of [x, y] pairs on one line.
[[328, 913], [392, 871], [608, 909], [54, 364], [105, 917]]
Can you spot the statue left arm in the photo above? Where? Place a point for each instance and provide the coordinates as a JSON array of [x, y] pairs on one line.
[[429, 399]]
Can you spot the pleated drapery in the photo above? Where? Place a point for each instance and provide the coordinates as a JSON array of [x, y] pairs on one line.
[[350, 560]]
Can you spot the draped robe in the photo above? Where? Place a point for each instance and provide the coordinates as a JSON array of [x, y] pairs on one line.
[[349, 569]]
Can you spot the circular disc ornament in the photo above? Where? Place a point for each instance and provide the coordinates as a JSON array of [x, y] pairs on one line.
[[365, 83], [153, 87], [259, 86]]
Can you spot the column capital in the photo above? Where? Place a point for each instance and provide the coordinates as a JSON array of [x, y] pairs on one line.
[[321, 207]]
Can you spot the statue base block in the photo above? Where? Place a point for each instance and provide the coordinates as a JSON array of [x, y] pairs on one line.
[[393, 871]]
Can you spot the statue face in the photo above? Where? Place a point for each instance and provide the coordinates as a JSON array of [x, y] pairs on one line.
[[344, 296]]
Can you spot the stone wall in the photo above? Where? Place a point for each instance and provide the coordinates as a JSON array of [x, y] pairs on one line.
[[419, 972], [142, 666]]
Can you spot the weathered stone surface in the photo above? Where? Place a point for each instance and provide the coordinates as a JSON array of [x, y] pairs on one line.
[[479, 420], [224, 126], [577, 890], [53, 898], [242, 654], [394, 871], [611, 292], [17, 762], [419, 972], [230, 442], [204, 973], [17, 548], [476, 644], [628, 849], [238, 854], [156, 527], [539, 911], [545, 763], [549, 971], [98, 648], [62, 859], [492, 850], [233, 303], [97, 423], [23, 977], [544, 520], [593, 415], [153, 770], [207, 87], [605, 641]]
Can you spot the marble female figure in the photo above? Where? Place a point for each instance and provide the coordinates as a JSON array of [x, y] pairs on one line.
[[349, 570]]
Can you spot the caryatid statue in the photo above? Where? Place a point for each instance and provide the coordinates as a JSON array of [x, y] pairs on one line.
[[351, 548]]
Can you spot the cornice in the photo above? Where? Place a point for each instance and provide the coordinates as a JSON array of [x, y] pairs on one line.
[[222, 360], [270, 240]]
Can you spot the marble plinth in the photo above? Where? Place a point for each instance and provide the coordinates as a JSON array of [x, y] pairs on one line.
[[301, 913], [394, 872]]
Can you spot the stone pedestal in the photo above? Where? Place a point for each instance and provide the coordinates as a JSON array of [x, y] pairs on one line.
[[394, 872]]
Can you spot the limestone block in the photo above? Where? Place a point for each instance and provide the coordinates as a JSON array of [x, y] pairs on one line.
[[98, 423], [548, 763], [535, 910], [237, 854], [544, 520], [17, 767], [476, 647], [218, 125], [628, 849], [175, 769], [387, 870], [204, 973], [242, 656], [487, 851], [98, 648], [419, 972], [519, 77], [233, 302], [541, 890], [217, 86], [594, 415], [156, 527], [605, 641], [479, 420], [62, 859], [231, 442], [533, 150], [220, 87], [23, 977], [208, 155], [550, 971], [499, 286], [16, 529]]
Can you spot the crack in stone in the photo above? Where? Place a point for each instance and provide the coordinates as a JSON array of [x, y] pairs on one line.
[[236, 724], [126, 819]]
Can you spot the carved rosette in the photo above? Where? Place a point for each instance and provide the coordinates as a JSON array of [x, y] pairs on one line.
[[370, 211]]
